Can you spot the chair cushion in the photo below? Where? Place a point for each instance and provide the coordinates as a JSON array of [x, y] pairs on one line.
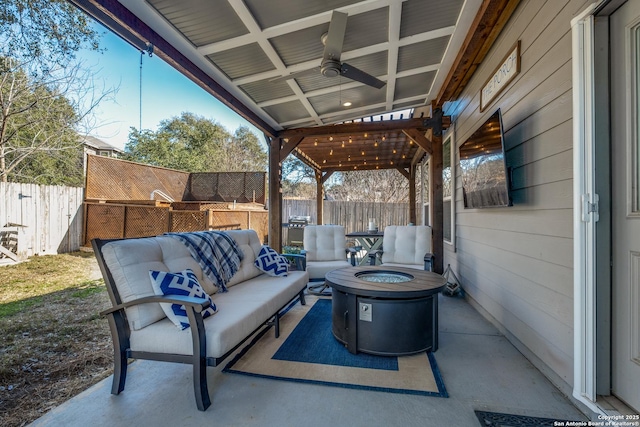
[[406, 244], [324, 242], [183, 283], [271, 262], [317, 270]]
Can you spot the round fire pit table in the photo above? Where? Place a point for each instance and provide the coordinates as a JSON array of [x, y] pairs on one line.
[[388, 311]]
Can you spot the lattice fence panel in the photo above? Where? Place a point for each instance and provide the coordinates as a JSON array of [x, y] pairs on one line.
[[242, 187], [226, 218], [203, 206], [104, 221], [114, 179], [188, 221], [255, 186], [230, 187], [143, 221]]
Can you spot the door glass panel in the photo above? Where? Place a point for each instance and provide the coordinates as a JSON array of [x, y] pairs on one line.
[[635, 174]]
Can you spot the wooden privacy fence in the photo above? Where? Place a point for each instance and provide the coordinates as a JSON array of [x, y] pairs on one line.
[[353, 215], [39, 219]]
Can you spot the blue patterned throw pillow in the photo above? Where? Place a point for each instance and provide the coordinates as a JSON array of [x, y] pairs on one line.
[[183, 283], [272, 263]]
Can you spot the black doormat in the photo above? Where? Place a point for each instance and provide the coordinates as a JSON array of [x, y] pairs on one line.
[[496, 419]]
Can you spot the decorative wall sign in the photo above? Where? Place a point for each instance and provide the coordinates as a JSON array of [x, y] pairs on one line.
[[506, 71]]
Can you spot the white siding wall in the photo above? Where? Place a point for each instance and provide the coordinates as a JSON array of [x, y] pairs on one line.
[[51, 216], [516, 263]]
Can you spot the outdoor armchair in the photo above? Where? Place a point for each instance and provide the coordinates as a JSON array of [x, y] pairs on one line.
[[405, 246], [325, 249]]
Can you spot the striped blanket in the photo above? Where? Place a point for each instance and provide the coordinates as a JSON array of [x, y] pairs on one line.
[[217, 254]]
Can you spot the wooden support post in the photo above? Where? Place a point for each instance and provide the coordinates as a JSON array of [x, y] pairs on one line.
[[275, 195], [319, 199], [436, 203], [412, 195]]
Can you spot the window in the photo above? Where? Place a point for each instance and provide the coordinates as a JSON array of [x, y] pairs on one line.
[[424, 193], [448, 190]]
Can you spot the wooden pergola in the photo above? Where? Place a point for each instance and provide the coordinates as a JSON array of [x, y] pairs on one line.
[[364, 145]]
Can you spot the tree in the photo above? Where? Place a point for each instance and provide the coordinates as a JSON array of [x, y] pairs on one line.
[[243, 153], [44, 32], [46, 97], [195, 144], [39, 120], [298, 179], [386, 186]]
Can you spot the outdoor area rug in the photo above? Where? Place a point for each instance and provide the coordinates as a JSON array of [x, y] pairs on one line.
[[307, 352]]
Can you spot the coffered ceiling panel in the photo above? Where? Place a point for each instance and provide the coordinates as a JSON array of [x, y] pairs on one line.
[[268, 54]]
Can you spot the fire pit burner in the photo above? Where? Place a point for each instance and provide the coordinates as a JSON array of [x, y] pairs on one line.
[[384, 276]]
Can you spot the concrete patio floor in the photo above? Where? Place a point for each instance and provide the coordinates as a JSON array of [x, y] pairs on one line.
[[480, 368]]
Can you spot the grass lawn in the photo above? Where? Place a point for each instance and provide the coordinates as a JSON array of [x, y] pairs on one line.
[[53, 342]]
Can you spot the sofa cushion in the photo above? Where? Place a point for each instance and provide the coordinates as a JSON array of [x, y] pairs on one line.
[[243, 309], [271, 262], [129, 262], [176, 257], [216, 252], [183, 283], [250, 245]]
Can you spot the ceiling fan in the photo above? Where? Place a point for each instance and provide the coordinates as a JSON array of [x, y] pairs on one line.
[[331, 65]]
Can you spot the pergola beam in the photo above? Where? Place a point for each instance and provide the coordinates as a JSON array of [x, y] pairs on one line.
[[353, 128], [289, 146], [418, 137]]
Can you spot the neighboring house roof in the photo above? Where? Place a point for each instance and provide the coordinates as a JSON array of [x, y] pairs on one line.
[[98, 144]]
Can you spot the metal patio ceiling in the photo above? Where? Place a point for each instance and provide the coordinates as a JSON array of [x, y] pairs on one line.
[[423, 50], [244, 44]]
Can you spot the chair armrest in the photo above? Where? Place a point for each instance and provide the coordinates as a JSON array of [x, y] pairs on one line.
[[299, 260], [373, 255], [429, 260], [352, 252], [198, 304]]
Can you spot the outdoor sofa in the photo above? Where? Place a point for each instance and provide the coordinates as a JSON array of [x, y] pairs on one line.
[[141, 329]]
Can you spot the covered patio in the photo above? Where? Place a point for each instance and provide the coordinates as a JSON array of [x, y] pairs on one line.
[[481, 371], [269, 64]]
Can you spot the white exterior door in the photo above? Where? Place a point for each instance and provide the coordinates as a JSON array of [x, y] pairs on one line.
[[625, 155]]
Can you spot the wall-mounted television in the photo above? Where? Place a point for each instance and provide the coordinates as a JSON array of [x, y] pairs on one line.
[[485, 177]]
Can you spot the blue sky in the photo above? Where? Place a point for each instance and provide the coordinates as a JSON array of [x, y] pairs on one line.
[[165, 93]]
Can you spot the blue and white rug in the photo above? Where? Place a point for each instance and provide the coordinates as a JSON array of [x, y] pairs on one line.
[[307, 352]]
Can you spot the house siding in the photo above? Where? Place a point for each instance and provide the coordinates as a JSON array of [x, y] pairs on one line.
[[516, 263]]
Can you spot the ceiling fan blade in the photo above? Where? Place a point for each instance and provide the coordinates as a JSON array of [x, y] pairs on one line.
[[335, 37], [304, 73], [353, 73]]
